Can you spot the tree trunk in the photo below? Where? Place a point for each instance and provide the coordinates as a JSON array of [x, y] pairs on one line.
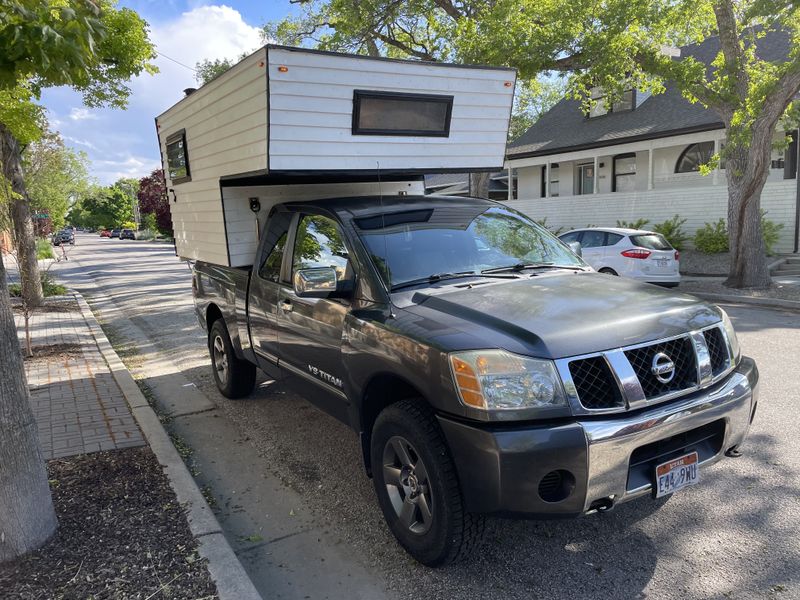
[[479, 185], [24, 238], [27, 518], [748, 267]]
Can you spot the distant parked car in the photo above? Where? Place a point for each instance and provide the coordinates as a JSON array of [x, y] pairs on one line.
[[105, 233], [115, 233], [127, 234], [634, 253], [64, 236]]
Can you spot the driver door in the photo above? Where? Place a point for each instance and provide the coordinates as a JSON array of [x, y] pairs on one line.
[[310, 329]]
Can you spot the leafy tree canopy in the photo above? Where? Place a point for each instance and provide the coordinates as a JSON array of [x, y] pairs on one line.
[[207, 69]]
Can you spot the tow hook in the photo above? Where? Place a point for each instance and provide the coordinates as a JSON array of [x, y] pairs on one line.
[[733, 452]]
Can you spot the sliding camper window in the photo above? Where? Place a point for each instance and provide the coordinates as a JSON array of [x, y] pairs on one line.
[[393, 113], [177, 158]]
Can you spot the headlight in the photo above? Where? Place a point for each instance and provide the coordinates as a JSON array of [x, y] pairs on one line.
[[730, 332], [499, 380]]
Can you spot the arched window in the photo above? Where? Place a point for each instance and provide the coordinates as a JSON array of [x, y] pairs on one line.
[[693, 156]]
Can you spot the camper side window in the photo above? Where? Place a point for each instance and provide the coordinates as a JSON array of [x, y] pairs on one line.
[[394, 113], [177, 158]]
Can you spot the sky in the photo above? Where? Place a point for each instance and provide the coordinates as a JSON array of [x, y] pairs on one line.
[[123, 143]]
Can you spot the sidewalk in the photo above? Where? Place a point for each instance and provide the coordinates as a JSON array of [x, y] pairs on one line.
[[78, 405]]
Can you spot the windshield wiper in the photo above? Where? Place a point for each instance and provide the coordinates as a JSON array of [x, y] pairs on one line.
[[523, 266], [436, 277]]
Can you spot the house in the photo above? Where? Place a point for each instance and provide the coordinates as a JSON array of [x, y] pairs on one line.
[[457, 184], [292, 124], [640, 158]]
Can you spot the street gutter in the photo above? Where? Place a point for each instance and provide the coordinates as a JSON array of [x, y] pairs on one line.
[[231, 579]]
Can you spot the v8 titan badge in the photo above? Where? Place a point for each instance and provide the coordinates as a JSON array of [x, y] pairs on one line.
[[677, 474]]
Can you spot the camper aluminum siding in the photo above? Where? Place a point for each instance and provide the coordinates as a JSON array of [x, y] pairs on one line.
[[311, 113], [225, 122], [284, 112]]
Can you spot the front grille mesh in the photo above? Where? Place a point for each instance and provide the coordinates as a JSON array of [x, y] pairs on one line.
[[595, 383], [717, 350], [682, 354]]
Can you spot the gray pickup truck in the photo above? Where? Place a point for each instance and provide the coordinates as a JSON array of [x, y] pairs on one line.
[[485, 366]]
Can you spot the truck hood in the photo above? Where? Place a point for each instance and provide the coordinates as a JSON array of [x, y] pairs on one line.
[[557, 314]]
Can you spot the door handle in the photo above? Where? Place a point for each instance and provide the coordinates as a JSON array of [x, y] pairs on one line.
[[286, 305]]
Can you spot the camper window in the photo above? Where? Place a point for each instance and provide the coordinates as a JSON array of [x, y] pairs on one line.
[[393, 113], [177, 159]]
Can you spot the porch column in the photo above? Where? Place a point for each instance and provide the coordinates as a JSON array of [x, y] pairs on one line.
[[715, 175], [547, 180], [510, 185], [650, 168], [594, 172]]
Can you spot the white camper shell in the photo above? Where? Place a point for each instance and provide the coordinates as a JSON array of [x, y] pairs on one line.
[[290, 124]]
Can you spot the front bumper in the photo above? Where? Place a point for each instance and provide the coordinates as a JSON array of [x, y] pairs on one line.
[[602, 461]]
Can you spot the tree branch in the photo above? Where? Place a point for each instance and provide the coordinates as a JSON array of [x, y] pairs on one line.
[[731, 46], [448, 7], [404, 47]]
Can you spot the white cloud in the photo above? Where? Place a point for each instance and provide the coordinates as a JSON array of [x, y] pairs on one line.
[[129, 165], [82, 114], [84, 143], [205, 32]]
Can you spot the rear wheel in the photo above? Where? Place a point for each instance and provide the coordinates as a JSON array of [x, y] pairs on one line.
[[608, 271], [417, 487], [234, 377]]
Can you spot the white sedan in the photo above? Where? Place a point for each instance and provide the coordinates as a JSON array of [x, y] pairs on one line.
[[635, 253]]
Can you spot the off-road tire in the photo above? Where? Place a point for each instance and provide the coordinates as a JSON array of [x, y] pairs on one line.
[[453, 533], [239, 378]]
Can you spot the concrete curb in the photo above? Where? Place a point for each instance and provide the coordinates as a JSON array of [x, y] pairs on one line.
[[227, 572], [763, 302]]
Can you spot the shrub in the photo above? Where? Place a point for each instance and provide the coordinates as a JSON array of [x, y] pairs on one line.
[[146, 234], [638, 224], [712, 238], [128, 225], [44, 249], [49, 286], [149, 221], [770, 232], [672, 229]]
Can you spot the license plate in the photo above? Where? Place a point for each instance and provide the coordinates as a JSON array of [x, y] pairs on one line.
[[662, 262], [677, 474]]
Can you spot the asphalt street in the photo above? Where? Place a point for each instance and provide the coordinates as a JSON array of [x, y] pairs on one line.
[[292, 496]]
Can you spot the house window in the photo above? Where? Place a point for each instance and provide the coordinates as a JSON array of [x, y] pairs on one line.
[[392, 113], [627, 101], [624, 173], [553, 180], [177, 158], [693, 156]]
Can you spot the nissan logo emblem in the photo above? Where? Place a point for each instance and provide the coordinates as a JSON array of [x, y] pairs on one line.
[[663, 368]]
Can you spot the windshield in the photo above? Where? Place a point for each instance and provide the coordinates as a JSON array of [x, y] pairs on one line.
[[459, 239], [651, 241]]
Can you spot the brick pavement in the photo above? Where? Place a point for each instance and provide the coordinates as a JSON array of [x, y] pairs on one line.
[[79, 407]]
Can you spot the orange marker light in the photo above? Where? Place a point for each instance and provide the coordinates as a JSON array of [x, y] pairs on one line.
[[467, 382], [508, 84], [283, 69]]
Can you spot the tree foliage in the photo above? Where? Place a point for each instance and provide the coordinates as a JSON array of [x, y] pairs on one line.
[[153, 200], [208, 69]]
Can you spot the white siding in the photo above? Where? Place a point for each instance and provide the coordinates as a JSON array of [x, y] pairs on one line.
[[697, 206], [243, 226], [226, 133], [311, 109]]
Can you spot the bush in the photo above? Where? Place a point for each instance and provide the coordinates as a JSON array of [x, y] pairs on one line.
[[128, 225], [146, 234], [44, 249], [638, 224], [770, 232], [49, 286], [672, 229], [712, 238], [149, 221]]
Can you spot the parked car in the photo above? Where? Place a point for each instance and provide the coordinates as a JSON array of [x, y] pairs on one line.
[[63, 236], [127, 234], [105, 233], [485, 366], [115, 233], [634, 253]]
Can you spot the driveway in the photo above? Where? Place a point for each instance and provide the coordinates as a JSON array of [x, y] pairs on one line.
[[293, 498]]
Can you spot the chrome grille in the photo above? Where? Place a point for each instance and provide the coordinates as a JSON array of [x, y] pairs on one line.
[[680, 351], [623, 379], [595, 383], [717, 349]]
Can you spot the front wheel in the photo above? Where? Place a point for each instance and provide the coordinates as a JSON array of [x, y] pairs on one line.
[[417, 486], [234, 377]]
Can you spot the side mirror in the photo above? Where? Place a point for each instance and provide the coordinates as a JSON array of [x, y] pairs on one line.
[[319, 282], [576, 248]]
